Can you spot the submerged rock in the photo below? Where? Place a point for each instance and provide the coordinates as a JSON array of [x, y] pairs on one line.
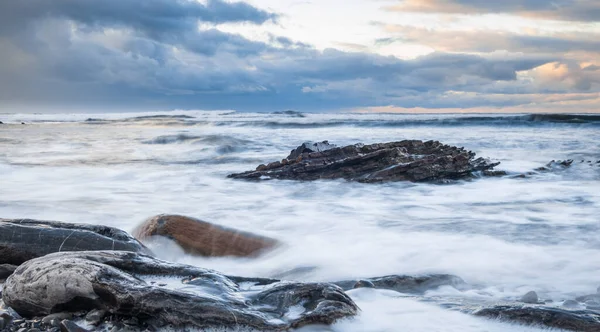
[[405, 284], [530, 297], [555, 165], [25, 239], [118, 282], [409, 160], [202, 238], [572, 320]]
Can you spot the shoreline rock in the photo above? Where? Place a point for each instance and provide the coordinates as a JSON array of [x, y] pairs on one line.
[[115, 281], [25, 239], [202, 238], [408, 160]]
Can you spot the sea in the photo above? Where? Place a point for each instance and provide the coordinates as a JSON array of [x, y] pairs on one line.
[[505, 236]]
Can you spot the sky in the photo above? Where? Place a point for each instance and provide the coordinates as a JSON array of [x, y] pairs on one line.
[[304, 55]]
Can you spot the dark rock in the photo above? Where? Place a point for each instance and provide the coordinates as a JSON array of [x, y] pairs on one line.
[[309, 147], [114, 281], [202, 238], [5, 319], [24, 239], [580, 320], [69, 326], [6, 270], [1, 122], [408, 160], [494, 173], [96, 316], [555, 165], [405, 284], [530, 297]]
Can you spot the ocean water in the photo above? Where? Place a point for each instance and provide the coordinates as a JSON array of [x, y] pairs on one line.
[[505, 236]]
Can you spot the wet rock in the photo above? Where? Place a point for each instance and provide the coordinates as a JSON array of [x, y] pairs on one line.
[[199, 237], [115, 281], [5, 319], [493, 173], [6, 270], [24, 239], [409, 160], [530, 297], [405, 284], [555, 165], [96, 316], [580, 320], [309, 147], [69, 326]]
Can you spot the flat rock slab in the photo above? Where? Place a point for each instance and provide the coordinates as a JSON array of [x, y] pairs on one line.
[[137, 285], [198, 237], [25, 239], [409, 160]]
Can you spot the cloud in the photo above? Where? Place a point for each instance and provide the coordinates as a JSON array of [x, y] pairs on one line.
[[478, 40], [567, 10], [171, 54]]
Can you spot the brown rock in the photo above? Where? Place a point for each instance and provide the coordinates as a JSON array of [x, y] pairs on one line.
[[199, 237]]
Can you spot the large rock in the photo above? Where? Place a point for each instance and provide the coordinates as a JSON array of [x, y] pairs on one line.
[[127, 283], [409, 160], [24, 239], [199, 237]]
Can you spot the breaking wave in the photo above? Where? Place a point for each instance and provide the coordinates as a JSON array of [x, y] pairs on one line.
[[515, 120]]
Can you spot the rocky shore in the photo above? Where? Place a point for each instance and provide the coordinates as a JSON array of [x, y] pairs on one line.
[[77, 277]]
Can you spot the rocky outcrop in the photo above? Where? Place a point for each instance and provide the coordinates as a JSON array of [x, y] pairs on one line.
[[25, 239], [409, 160], [127, 283], [571, 320], [405, 284], [199, 237]]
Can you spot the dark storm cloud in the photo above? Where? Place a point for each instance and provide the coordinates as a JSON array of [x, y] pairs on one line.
[[569, 10]]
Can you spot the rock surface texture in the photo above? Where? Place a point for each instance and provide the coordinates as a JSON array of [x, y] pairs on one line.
[[25, 239], [571, 320], [122, 283], [405, 284], [199, 237], [409, 160]]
